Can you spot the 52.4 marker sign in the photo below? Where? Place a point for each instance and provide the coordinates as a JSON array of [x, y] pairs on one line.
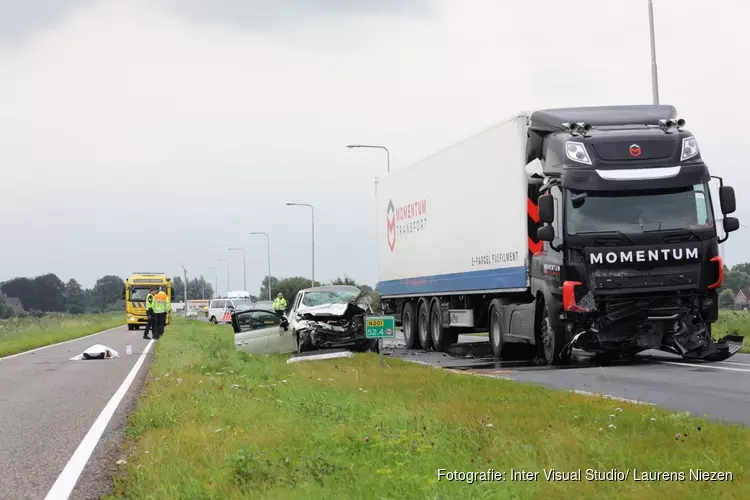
[[380, 327]]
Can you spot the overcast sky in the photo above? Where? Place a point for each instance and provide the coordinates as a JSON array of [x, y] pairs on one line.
[[214, 114]]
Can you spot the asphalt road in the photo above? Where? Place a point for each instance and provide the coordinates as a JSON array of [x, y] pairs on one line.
[[720, 391], [48, 404]]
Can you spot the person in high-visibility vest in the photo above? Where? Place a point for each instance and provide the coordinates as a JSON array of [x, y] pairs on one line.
[[150, 313], [279, 305], [161, 306]]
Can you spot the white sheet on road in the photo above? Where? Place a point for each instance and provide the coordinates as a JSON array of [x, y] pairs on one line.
[[97, 351]]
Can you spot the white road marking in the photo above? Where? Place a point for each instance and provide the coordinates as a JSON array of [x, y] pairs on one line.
[[735, 363], [705, 365], [607, 396], [68, 478], [59, 343]]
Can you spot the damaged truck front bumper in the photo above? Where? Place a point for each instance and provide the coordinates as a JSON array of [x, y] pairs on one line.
[[671, 325]]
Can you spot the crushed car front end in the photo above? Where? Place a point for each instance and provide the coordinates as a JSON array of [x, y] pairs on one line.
[[335, 326]]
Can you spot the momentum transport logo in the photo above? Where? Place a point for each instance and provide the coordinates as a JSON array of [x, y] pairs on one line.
[[405, 220]]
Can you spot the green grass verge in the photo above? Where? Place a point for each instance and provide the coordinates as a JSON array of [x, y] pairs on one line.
[[23, 334], [730, 322], [214, 423]]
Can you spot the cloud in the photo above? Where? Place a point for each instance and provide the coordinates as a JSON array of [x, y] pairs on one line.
[[21, 19]]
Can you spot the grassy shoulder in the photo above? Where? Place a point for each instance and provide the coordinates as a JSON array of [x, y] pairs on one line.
[[730, 322], [23, 334], [215, 423]]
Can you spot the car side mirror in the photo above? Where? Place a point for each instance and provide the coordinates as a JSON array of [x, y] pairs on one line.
[[727, 200], [731, 224], [546, 233], [546, 208]]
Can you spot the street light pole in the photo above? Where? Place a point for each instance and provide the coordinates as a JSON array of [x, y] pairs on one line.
[[216, 278], [268, 250], [313, 234], [654, 72], [244, 267], [227, 262], [387, 153]]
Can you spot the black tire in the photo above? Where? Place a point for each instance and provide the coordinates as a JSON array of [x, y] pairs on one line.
[[304, 345], [409, 326], [213, 320], [371, 346], [496, 329], [130, 327], [442, 338], [423, 325], [551, 338]]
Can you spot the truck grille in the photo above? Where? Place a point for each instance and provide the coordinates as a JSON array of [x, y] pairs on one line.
[[621, 279]]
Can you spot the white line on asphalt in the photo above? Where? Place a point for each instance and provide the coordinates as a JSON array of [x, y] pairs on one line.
[[607, 396], [706, 365], [68, 478], [735, 363], [59, 343]]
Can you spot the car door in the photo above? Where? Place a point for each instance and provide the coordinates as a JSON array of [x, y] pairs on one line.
[[293, 313], [251, 332], [278, 339], [216, 309]]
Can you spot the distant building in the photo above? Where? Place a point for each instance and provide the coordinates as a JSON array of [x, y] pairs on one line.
[[742, 299]]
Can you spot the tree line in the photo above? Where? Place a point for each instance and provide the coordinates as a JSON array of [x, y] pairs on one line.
[[735, 279], [48, 293]]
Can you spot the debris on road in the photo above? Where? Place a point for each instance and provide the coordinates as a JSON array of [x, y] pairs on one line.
[[97, 351], [316, 357]]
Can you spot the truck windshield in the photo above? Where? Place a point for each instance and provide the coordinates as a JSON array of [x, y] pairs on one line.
[[641, 211], [138, 294]]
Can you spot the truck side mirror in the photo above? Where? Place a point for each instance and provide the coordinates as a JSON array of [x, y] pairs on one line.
[[727, 199], [546, 208], [546, 233], [731, 224], [123, 294]]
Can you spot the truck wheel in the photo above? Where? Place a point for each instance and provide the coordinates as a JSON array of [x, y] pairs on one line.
[[130, 327], [442, 338], [409, 326], [496, 329], [551, 339], [423, 326]]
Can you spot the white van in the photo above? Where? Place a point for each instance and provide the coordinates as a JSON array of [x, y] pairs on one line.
[[219, 307]]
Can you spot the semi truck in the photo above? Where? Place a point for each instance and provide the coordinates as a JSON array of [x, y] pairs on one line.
[[591, 228], [137, 287]]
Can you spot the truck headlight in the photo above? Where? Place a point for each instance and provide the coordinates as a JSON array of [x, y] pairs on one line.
[[689, 148], [576, 151], [132, 318]]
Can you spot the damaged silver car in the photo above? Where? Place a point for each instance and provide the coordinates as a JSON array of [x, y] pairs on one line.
[[329, 317]]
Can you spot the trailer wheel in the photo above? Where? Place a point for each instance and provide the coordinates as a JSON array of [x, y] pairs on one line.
[[409, 326], [442, 338], [496, 329], [423, 325], [551, 338]]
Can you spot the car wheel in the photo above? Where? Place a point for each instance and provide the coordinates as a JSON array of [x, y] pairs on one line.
[[213, 320]]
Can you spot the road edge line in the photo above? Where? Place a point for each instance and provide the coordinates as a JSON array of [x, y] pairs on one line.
[[59, 343], [68, 478], [704, 365], [615, 398]]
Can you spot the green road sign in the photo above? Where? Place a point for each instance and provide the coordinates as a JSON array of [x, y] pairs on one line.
[[380, 327]]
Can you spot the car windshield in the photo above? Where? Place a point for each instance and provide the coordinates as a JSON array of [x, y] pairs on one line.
[[643, 211], [139, 294], [319, 298], [242, 303]]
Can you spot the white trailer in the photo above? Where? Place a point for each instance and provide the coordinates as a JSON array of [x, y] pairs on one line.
[[453, 229]]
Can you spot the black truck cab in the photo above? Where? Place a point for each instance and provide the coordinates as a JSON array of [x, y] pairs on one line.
[[630, 257]]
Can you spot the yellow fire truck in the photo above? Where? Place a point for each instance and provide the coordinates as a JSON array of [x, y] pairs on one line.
[[135, 293]]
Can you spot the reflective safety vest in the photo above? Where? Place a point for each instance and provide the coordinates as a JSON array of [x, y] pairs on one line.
[[161, 303], [150, 302], [279, 304]]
